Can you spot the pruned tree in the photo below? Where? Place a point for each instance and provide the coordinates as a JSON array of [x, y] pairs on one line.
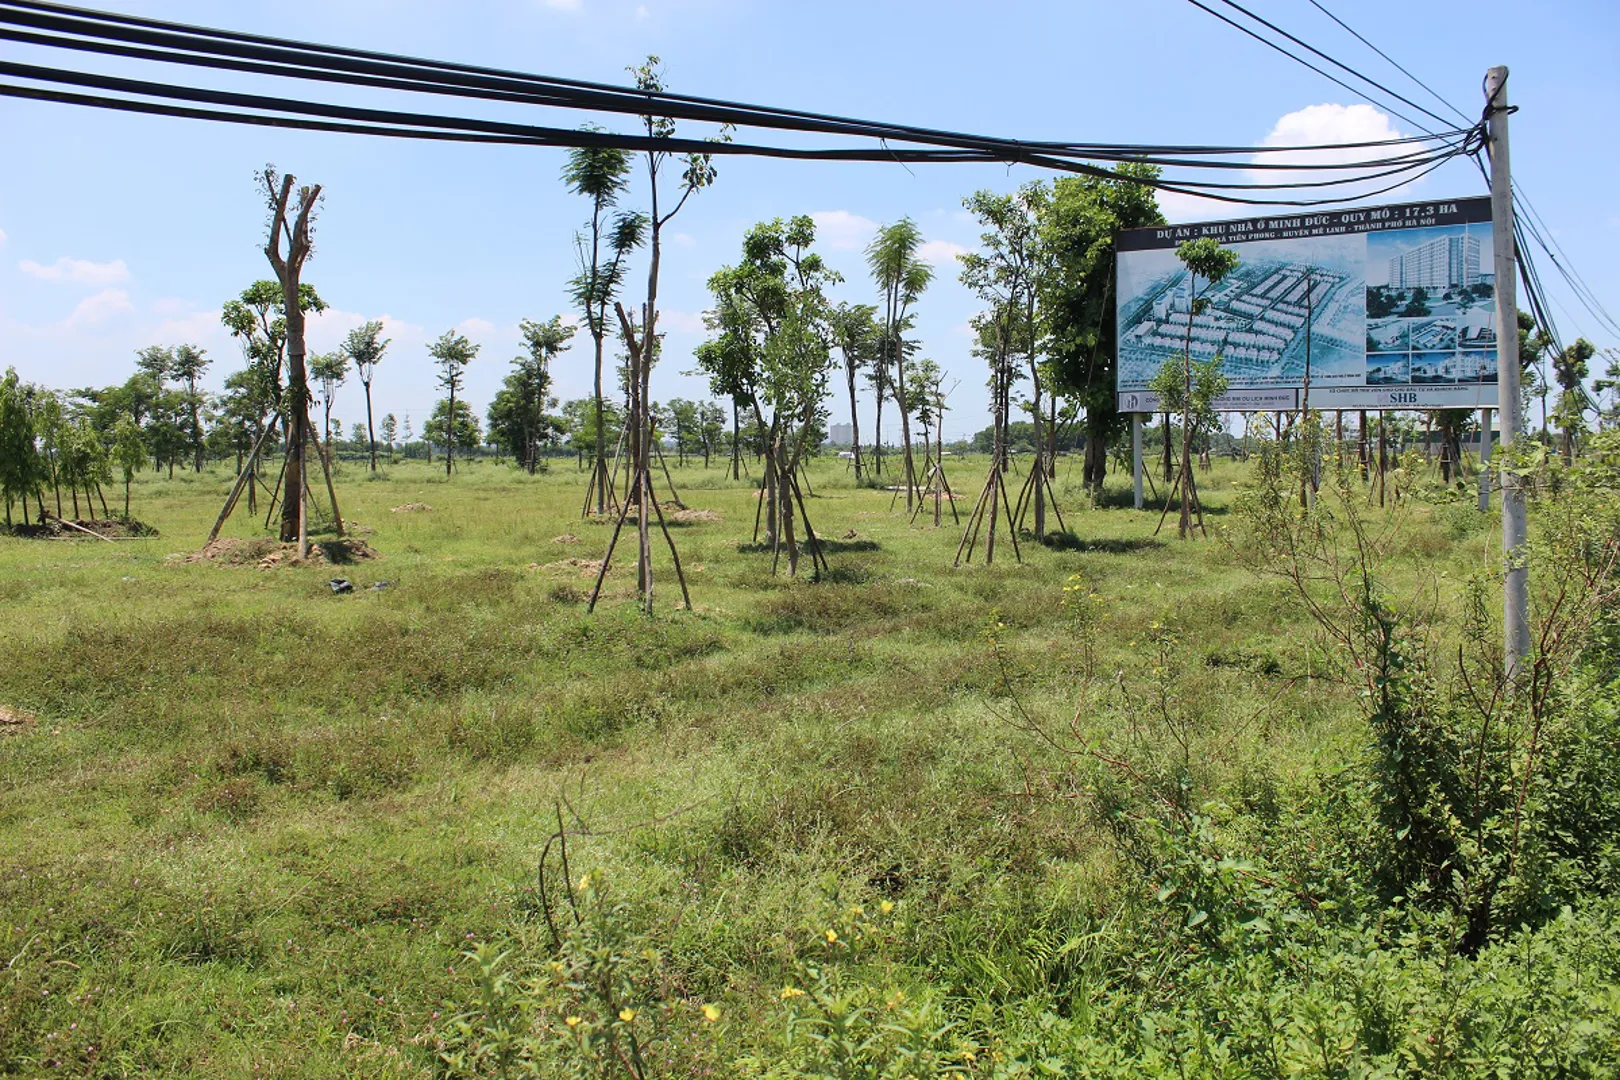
[[641, 340], [902, 276], [601, 174], [452, 352], [365, 347], [859, 339], [1013, 265], [288, 246], [772, 327]]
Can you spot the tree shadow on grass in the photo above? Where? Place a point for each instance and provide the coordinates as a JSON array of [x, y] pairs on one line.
[[828, 547], [1104, 545]]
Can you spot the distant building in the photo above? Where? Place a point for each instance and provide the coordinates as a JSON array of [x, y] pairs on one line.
[[841, 434], [1449, 262]]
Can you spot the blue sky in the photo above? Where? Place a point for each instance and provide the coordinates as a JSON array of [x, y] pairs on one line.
[[118, 231]]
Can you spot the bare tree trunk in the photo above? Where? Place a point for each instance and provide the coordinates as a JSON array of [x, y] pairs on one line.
[[371, 435], [1167, 469], [854, 422]]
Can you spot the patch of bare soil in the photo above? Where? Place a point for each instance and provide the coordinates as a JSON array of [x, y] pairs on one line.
[[83, 528], [14, 721], [694, 515], [586, 567], [268, 554], [565, 538], [410, 508]]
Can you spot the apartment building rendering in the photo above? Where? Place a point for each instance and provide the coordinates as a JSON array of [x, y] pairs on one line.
[[1446, 262]]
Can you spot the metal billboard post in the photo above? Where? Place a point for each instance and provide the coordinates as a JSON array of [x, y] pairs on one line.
[[1136, 456], [1516, 583]]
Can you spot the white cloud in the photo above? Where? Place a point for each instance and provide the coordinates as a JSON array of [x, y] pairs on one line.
[[81, 271], [642, 14], [1314, 125], [563, 5], [100, 308], [2, 236], [680, 322], [840, 230], [942, 254], [475, 327], [684, 240]]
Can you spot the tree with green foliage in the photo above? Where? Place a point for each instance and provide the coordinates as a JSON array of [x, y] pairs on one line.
[[187, 367], [1610, 384], [684, 424], [22, 468], [85, 464], [330, 371], [1013, 265], [128, 453], [463, 434], [771, 327], [1203, 258], [601, 174], [859, 338], [1570, 368], [390, 429], [365, 347], [901, 276], [452, 352], [518, 418], [1078, 228], [711, 429]]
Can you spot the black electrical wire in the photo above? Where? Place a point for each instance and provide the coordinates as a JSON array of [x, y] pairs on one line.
[[1343, 67], [1390, 60], [434, 76]]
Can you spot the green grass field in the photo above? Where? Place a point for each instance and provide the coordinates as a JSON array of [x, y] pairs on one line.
[[254, 826]]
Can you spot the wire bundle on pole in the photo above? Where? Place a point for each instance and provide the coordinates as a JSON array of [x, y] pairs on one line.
[[160, 44]]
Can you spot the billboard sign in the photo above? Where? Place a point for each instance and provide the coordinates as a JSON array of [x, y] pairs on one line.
[[1389, 307]]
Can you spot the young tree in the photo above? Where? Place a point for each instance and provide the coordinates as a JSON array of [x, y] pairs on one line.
[[365, 346], [1203, 258], [601, 174], [641, 340], [711, 428], [452, 352], [517, 416], [128, 453], [859, 337], [1014, 265], [291, 222], [902, 276], [771, 322], [463, 434], [389, 428], [684, 424], [1570, 368], [330, 370], [186, 364], [22, 470]]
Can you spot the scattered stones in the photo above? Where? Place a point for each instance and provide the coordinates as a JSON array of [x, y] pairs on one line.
[[565, 538], [380, 586], [268, 554], [410, 508], [340, 585], [852, 535]]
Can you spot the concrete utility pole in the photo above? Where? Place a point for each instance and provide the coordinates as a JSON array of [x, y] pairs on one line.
[[1516, 587]]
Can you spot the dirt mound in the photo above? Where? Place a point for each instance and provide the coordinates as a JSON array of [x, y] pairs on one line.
[[84, 528], [268, 554], [565, 538], [14, 721], [410, 508], [694, 515]]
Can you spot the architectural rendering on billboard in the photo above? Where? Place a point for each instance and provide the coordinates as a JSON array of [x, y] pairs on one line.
[[1387, 307]]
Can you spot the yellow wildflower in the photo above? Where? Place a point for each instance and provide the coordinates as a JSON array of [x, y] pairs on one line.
[[832, 937], [791, 992], [887, 906], [627, 1014], [711, 1013], [572, 1021]]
